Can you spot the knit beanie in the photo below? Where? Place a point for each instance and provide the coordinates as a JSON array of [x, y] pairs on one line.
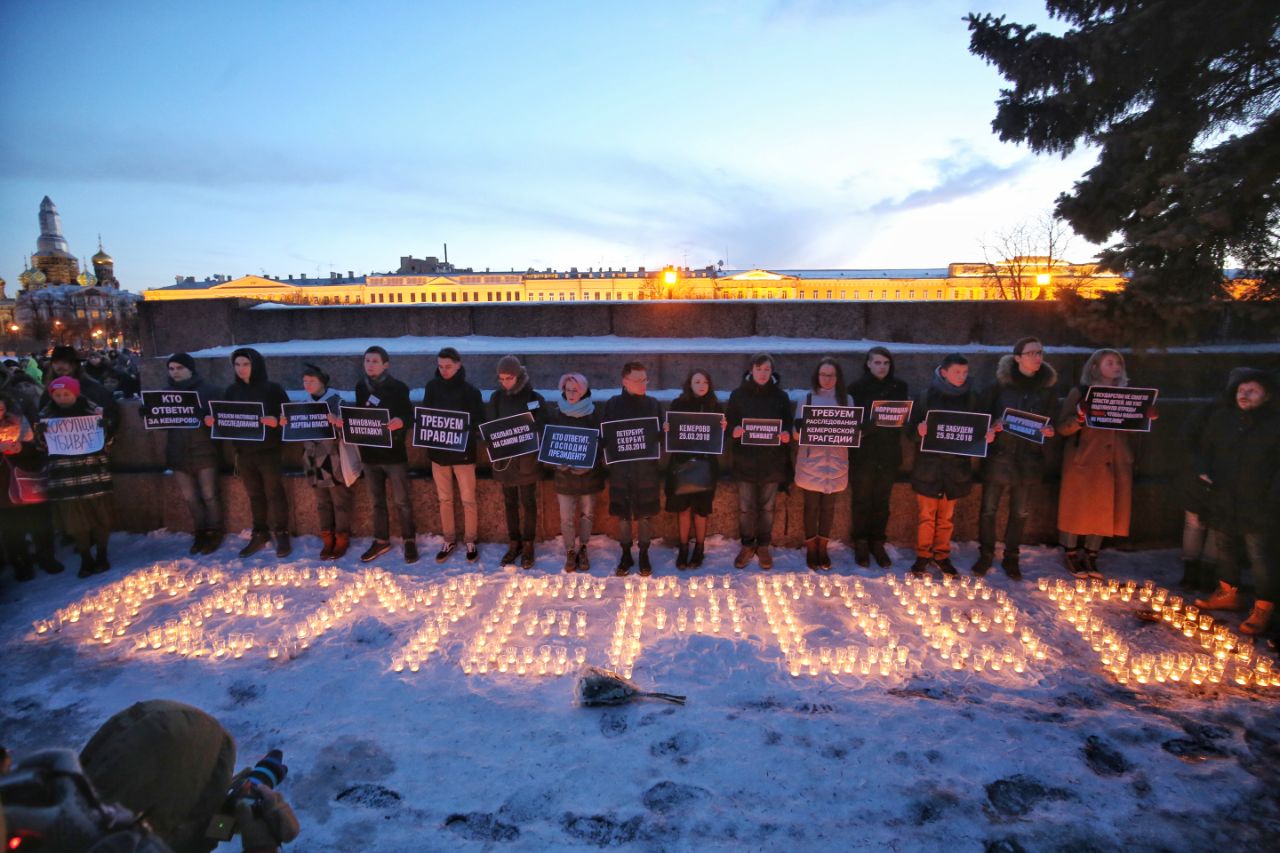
[[68, 382], [185, 360], [510, 365], [65, 353]]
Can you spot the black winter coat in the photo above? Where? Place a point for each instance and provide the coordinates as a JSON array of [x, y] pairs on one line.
[[645, 473], [458, 395], [189, 450], [1240, 453], [1011, 459], [942, 475], [258, 389], [522, 470], [755, 463], [881, 446], [393, 395], [577, 481], [704, 404]]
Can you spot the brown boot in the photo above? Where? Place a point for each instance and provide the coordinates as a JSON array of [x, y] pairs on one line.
[[326, 542], [341, 542], [1225, 597], [1258, 619], [811, 554]]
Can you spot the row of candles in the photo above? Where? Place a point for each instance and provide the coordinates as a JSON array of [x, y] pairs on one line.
[[456, 597], [490, 649], [1224, 656]]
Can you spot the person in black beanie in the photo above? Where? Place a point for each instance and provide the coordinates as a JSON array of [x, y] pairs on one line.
[[519, 476], [193, 458], [873, 467], [382, 465], [258, 463]]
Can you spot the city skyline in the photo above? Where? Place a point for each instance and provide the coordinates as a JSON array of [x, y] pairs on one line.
[[780, 135]]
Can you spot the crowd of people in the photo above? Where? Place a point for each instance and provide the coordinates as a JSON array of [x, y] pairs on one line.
[[1230, 489]]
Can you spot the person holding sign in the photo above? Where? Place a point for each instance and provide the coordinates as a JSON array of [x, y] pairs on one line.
[[1240, 463], [873, 467], [193, 458], [79, 484], [822, 472], [258, 463], [65, 361], [1024, 386], [332, 467], [450, 390], [519, 475], [1097, 470], [760, 469], [940, 480], [634, 484], [576, 488], [691, 500], [382, 465]]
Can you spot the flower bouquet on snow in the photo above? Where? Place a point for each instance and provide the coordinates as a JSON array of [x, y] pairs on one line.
[[598, 686]]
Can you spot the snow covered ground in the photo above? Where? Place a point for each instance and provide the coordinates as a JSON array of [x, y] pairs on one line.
[[1058, 757]]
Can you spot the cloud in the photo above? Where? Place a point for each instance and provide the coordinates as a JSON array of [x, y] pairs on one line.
[[961, 174]]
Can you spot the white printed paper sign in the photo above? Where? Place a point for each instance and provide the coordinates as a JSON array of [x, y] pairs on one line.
[[74, 436]]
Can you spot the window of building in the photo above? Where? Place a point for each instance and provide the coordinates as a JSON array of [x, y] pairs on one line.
[[843, 294], [399, 297], [464, 296], [884, 294], [517, 297], [453, 297], [911, 294]]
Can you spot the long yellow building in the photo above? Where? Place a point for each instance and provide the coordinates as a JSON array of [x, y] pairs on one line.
[[1017, 278]]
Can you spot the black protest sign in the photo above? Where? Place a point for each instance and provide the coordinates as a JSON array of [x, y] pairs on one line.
[[695, 432], [573, 446], [831, 426], [441, 429], [510, 437], [762, 431], [235, 421], [1126, 409], [955, 433], [366, 427], [890, 414], [630, 440], [1026, 425], [171, 410], [307, 422]]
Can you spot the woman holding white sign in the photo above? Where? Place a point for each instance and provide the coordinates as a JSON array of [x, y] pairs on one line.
[[79, 480], [822, 472], [690, 500]]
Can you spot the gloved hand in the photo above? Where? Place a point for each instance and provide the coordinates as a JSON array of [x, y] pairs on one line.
[[276, 825]]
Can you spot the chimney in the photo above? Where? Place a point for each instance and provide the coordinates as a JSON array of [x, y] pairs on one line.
[[290, 276], [304, 276], [351, 274]]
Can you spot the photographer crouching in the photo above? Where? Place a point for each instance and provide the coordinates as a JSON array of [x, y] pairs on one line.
[[155, 777]]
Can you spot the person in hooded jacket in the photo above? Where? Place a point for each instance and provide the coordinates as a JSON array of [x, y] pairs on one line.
[[693, 508], [449, 389], [332, 467], [519, 476], [1024, 381], [822, 471], [387, 465], [576, 488], [193, 458], [759, 469], [940, 480], [634, 485], [65, 361], [258, 462], [1240, 462], [873, 466]]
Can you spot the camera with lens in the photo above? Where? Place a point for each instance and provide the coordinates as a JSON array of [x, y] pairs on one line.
[[268, 772]]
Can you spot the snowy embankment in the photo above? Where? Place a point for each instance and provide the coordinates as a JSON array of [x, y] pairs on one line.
[[899, 749]]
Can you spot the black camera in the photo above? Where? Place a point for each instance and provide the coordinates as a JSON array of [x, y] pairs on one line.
[[269, 771]]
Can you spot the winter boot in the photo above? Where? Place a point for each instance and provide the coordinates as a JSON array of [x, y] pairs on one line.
[[284, 545], [341, 542], [411, 554], [526, 556], [48, 564], [921, 566], [197, 543], [1258, 619], [881, 555], [102, 564], [824, 559], [682, 556], [983, 565], [744, 557], [699, 552], [570, 561], [584, 562], [811, 554], [624, 562], [1226, 597], [87, 564], [646, 567], [212, 541], [1192, 571], [861, 553], [765, 557], [1011, 566], [513, 551], [1091, 564], [946, 566], [257, 542], [326, 544], [1075, 563], [376, 549]]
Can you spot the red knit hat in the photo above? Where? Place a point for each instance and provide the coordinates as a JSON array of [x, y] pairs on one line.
[[68, 382]]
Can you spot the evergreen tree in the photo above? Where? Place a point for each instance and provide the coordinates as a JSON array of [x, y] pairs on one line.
[[1180, 97]]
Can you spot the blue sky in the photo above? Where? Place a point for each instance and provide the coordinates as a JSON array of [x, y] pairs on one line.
[[292, 137]]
